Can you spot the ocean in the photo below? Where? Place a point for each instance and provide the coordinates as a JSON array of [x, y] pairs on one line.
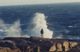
[[59, 20]]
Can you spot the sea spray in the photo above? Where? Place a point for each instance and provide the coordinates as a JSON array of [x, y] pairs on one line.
[[14, 30], [2, 28], [39, 22], [11, 30]]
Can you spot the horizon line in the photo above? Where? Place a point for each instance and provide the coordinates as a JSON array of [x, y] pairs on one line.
[[41, 4]]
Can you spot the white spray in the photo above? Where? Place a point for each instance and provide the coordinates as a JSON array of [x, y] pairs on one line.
[[11, 30], [2, 28], [2, 25], [14, 30], [39, 22]]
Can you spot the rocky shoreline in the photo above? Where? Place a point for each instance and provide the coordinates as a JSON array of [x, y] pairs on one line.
[[36, 44]]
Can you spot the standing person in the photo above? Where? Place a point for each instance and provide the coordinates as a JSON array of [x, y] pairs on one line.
[[42, 32]]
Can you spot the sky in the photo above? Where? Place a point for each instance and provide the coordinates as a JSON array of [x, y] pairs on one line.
[[31, 2]]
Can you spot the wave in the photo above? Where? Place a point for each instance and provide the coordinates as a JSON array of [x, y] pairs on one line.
[[37, 23]]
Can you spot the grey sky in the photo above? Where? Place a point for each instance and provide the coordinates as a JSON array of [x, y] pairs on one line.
[[20, 2]]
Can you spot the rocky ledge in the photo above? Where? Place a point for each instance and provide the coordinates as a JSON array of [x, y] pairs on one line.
[[36, 44]]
